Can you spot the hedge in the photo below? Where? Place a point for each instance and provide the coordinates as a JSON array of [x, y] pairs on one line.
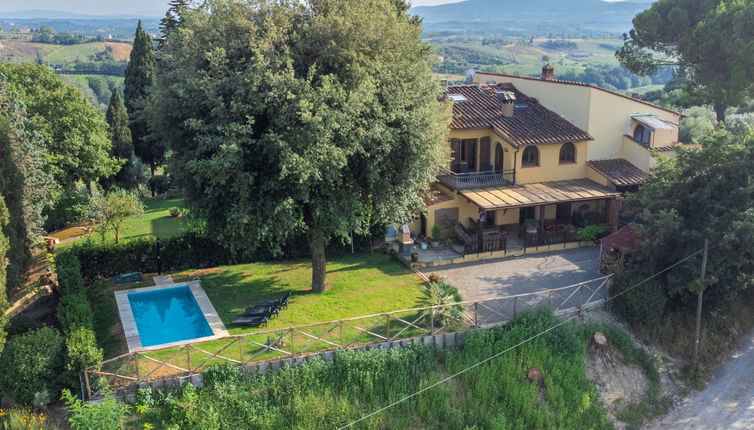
[[68, 269], [75, 311], [190, 250], [31, 366]]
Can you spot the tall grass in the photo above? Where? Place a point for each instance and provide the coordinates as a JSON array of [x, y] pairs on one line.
[[495, 395]]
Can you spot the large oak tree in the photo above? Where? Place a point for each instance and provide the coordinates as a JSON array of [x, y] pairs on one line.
[[287, 118]]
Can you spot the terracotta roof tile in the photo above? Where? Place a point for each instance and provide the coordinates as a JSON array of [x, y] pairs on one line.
[[620, 171], [531, 123], [433, 197]]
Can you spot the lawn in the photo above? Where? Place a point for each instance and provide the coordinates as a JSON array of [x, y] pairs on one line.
[[360, 284], [156, 222]]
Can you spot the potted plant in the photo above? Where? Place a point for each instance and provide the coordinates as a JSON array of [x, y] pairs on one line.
[[531, 225], [414, 254], [175, 212], [448, 242], [436, 236]]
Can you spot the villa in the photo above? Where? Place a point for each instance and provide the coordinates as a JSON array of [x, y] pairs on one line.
[[533, 159]]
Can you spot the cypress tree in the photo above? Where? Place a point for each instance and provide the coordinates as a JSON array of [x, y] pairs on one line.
[[139, 78], [120, 136], [4, 247]]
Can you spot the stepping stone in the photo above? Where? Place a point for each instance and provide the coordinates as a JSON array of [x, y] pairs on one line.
[[160, 280]]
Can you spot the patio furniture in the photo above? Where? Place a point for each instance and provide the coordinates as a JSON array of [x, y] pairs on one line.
[[128, 277], [258, 321], [257, 312], [282, 303]]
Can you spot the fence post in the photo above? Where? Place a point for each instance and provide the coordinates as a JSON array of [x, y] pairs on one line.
[[476, 314], [549, 299], [136, 361], [188, 358], [293, 347], [431, 321], [340, 329], [581, 301], [240, 350], [86, 384], [387, 326]]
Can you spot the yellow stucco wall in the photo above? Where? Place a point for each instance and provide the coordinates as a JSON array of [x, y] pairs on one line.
[[549, 168], [596, 176], [636, 154], [602, 114]]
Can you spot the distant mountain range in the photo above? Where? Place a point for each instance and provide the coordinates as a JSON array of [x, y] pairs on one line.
[[56, 14], [519, 15]]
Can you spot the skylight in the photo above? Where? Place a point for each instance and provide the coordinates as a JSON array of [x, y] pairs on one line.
[[458, 97]]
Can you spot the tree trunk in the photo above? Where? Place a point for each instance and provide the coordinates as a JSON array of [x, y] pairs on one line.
[[151, 170], [117, 235], [720, 111], [319, 267]]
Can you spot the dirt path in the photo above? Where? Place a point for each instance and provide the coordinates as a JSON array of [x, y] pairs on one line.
[[728, 401]]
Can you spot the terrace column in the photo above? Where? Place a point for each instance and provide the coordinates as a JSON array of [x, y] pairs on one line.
[[613, 208], [542, 218]]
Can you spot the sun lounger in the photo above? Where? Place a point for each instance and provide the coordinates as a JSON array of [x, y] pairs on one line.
[[243, 320], [282, 303], [257, 312]]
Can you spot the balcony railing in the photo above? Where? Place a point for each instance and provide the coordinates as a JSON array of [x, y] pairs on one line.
[[473, 180]]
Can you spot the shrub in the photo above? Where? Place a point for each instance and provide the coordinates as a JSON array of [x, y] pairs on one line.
[[591, 233], [436, 233], [105, 415], [68, 269], [434, 277], [68, 209], [221, 373], [159, 184], [174, 211], [20, 324], [442, 293], [81, 351], [643, 304], [105, 259], [31, 365], [75, 311], [24, 419]]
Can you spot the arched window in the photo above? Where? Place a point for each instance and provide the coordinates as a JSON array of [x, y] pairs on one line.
[[530, 156], [641, 134], [568, 153]]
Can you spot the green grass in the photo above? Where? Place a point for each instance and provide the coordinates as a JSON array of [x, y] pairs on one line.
[[69, 53], [156, 222], [358, 285], [323, 395]]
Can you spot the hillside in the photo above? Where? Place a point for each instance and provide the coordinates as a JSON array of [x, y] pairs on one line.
[[525, 17], [23, 50]]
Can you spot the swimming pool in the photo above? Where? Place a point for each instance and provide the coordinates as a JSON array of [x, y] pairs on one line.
[[168, 315]]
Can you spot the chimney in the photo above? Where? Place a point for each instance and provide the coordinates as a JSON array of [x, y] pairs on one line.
[[548, 72], [509, 101]]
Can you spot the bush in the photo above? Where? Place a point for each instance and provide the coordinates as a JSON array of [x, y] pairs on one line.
[[31, 365], [105, 415], [68, 209], [74, 312], [221, 373], [643, 304], [20, 324], [24, 419], [68, 269], [81, 351], [591, 233], [159, 184], [105, 259], [174, 211]]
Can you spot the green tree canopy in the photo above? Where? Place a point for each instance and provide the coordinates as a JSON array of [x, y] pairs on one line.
[[4, 247], [74, 133], [286, 118], [109, 211], [139, 78], [25, 182], [705, 193], [122, 146], [709, 39]]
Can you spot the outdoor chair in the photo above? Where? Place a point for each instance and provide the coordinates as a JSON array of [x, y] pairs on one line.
[[261, 312], [282, 303], [258, 321]]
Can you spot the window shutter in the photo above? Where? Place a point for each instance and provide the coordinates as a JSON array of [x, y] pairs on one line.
[[455, 147], [484, 153]]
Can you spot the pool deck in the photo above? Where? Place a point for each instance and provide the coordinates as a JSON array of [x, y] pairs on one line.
[[133, 340]]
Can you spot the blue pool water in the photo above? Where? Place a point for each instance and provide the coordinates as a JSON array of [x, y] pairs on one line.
[[168, 315]]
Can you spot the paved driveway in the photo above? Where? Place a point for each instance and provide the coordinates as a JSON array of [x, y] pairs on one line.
[[520, 275]]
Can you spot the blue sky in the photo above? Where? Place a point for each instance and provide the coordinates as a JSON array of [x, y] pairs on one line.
[[114, 7]]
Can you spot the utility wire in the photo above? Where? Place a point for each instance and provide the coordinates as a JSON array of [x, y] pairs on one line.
[[442, 381]]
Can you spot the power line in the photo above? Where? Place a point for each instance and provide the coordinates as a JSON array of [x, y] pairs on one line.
[[442, 381]]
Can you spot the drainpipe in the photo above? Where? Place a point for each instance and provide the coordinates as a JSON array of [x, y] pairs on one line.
[[515, 163]]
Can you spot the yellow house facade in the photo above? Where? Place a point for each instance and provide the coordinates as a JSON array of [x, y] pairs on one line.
[[518, 174], [628, 133]]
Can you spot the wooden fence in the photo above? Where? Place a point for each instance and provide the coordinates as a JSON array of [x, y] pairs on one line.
[[127, 371], [547, 238]]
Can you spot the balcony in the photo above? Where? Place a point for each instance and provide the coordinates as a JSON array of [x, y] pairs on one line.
[[475, 180]]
